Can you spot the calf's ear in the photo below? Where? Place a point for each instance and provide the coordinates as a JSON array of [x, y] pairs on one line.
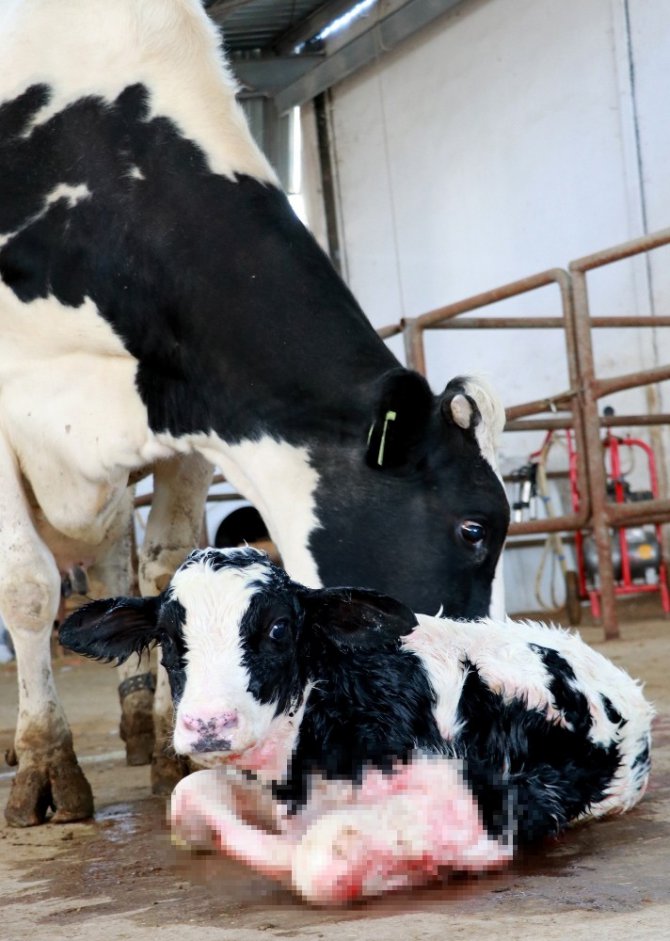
[[113, 628], [397, 435], [357, 618]]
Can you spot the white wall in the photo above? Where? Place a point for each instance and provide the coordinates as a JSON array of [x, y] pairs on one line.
[[510, 137]]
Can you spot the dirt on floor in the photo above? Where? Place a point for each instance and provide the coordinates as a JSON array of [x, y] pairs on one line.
[[118, 877]]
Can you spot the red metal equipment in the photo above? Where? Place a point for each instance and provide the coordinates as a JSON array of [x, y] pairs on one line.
[[638, 561]]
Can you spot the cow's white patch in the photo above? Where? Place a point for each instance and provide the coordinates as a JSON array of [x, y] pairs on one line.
[[487, 433], [75, 442], [73, 194], [136, 173], [279, 480], [142, 42], [489, 429], [217, 681]]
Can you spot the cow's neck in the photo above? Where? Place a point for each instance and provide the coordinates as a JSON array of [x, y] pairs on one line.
[[279, 479], [260, 334]]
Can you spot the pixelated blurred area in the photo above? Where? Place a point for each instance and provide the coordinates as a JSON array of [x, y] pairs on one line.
[[121, 877]]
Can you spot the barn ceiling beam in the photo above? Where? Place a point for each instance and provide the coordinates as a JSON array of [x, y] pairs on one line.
[[220, 10], [312, 25], [383, 36], [269, 75]]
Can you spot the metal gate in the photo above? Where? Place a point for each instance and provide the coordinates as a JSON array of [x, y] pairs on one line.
[[576, 407]]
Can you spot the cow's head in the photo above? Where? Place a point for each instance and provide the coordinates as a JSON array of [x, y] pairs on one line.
[[427, 519], [238, 641]]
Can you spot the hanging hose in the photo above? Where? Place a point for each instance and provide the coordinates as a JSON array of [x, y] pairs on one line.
[[553, 543]]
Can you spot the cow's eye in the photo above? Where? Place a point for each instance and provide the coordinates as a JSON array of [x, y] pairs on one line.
[[472, 532], [279, 630]]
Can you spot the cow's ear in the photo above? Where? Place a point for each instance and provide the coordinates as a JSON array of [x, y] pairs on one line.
[[459, 408], [113, 628], [357, 618], [397, 434]]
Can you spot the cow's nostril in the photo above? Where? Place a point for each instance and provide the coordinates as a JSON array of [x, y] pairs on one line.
[[209, 725], [228, 720]]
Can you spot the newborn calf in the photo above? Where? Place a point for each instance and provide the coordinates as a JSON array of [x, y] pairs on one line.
[[386, 746]]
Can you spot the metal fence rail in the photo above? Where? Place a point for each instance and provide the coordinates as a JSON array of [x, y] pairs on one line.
[[575, 408]]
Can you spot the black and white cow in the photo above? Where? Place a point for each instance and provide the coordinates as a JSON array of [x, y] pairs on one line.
[[160, 304], [389, 745]]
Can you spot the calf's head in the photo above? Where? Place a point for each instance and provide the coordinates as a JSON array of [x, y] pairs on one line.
[[240, 642]]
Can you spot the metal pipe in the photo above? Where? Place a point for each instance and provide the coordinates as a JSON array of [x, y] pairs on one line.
[[606, 421], [631, 380], [391, 331], [501, 323], [578, 452], [597, 480], [554, 524], [547, 323], [619, 252], [636, 514], [558, 403], [432, 317], [628, 321], [412, 335]]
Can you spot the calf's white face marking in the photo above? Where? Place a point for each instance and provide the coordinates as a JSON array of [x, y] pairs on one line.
[[216, 699]]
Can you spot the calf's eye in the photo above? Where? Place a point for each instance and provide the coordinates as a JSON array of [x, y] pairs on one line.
[[279, 630], [472, 532]]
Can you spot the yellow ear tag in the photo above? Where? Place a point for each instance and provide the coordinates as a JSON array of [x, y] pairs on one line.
[[390, 416]]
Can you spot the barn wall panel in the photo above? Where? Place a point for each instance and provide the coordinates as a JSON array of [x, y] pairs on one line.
[[512, 136]]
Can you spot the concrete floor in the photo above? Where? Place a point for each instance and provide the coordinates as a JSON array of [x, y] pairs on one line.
[[119, 878]]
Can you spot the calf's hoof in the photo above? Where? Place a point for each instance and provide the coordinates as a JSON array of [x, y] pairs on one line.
[[166, 773], [59, 785]]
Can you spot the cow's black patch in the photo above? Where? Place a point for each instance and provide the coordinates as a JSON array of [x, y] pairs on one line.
[[412, 501], [241, 325], [174, 261]]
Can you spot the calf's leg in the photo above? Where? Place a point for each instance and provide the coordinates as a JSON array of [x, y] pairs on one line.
[[208, 811], [404, 830], [397, 831]]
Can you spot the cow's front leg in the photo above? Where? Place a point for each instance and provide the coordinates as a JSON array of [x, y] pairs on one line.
[[48, 774], [174, 527]]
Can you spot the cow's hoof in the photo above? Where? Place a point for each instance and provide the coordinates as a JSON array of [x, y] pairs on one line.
[[137, 726], [166, 773], [60, 786]]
